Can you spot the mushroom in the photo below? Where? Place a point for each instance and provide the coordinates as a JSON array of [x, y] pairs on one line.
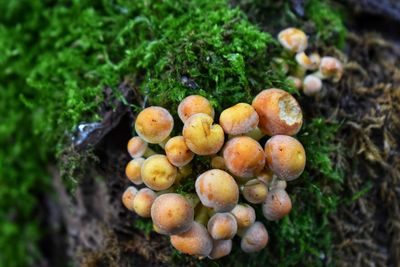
[[133, 170], [255, 238], [279, 112], [218, 162], [218, 190], [312, 85], [244, 157], [285, 156], [277, 204], [222, 226], [331, 67], [277, 183], [293, 39], [255, 191], [178, 152], [266, 175], [220, 249], [306, 62], [244, 214], [296, 82], [128, 196], [136, 147], [194, 104], [172, 214], [143, 201], [158, 173], [239, 119], [202, 136], [195, 241], [154, 124]]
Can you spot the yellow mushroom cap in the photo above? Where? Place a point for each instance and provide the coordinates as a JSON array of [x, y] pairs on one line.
[[255, 191], [331, 67], [220, 249], [195, 241], [239, 119], [279, 112], [312, 85], [305, 61], [128, 196], [158, 173], [194, 104], [222, 226], [133, 170], [178, 152], [277, 204], [218, 190], [244, 214], [255, 238], [143, 201], [154, 124], [136, 147], [293, 39], [244, 157], [285, 156], [202, 136]]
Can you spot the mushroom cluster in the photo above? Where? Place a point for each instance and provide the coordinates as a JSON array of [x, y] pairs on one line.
[[242, 173], [311, 69]]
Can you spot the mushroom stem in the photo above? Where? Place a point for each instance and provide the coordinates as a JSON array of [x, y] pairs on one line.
[[256, 134], [201, 214], [164, 142], [149, 152]]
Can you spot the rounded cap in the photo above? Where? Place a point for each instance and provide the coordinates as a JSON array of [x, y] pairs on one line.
[[195, 241], [239, 119], [293, 39], [218, 190], [172, 214], [136, 147], [277, 204], [220, 249], [202, 136], [194, 104], [331, 67], [244, 214], [312, 85], [255, 191], [279, 112], [305, 61], [154, 124], [255, 238], [178, 153], [244, 157], [143, 201], [133, 170], [285, 156], [222, 226], [128, 196], [158, 173]]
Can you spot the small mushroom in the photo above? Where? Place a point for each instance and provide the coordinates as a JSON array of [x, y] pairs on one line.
[[218, 162], [244, 157], [222, 226], [255, 238], [244, 214], [128, 196], [293, 39], [266, 175], [279, 112], [158, 173], [306, 62], [133, 170], [196, 241], [297, 83], [202, 136], [136, 147], [172, 214], [239, 119], [194, 104], [312, 85], [285, 156], [178, 152], [277, 183], [154, 124], [255, 191], [277, 204], [143, 201], [221, 248], [331, 67], [218, 190]]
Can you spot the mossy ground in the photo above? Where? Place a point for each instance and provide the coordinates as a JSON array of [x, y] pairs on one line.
[[57, 58]]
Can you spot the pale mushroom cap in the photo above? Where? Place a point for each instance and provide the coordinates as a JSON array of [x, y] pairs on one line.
[[154, 124], [196, 241], [194, 104], [136, 147], [158, 173], [218, 162], [172, 213], [255, 238], [202, 136], [222, 226], [305, 61], [331, 67], [238, 119], [285, 156], [293, 39], [133, 170], [244, 157], [279, 112], [128, 196], [143, 201], [218, 190], [277, 204], [220, 249], [178, 153], [255, 191], [278, 184], [245, 215], [312, 85]]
